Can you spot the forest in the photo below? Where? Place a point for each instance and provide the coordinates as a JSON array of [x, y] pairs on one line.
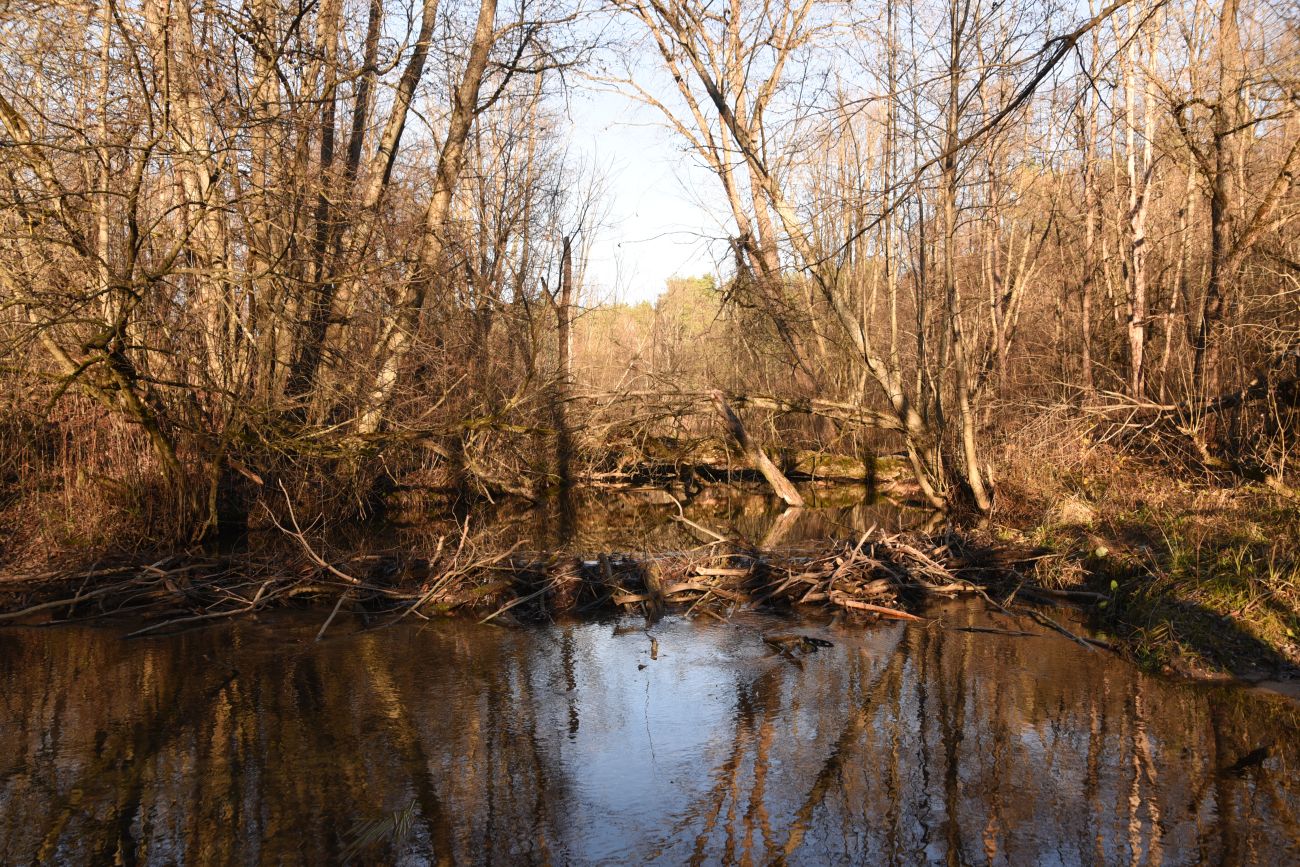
[[1033, 267]]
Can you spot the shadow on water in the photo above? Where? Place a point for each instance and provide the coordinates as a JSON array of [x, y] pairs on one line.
[[616, 743], [589, 520]]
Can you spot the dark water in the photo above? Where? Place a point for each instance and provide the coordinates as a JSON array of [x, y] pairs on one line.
[[604, 743], [592, 520]]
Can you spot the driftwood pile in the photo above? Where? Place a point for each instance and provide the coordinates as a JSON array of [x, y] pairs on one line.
[[878, 577]]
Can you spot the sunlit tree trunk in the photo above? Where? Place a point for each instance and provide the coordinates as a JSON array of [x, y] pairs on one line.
[[399, 332], [1139, 167]]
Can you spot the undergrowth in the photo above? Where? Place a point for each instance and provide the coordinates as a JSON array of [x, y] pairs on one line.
[[1203, 571]]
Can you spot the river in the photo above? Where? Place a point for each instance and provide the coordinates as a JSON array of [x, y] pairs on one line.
[[608, 742]]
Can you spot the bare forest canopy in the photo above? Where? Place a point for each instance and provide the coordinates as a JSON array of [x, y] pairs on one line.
[[338, 245]]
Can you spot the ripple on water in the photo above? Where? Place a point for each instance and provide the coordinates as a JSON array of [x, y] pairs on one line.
[[608, 742]]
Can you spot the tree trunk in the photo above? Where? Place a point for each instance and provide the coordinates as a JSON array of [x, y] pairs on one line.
[[782, 486], [400, 330], [563, 374]]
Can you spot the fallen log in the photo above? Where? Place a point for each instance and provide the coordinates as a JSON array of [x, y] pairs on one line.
[[782, 486]]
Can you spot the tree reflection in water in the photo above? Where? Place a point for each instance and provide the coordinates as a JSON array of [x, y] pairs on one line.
[[576, 744]]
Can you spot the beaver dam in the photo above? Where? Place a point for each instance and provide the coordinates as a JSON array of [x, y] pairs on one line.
[[713, 681], [632, 552]]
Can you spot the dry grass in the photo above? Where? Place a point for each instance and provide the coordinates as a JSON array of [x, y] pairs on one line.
[[77, 484], [1205, 569]]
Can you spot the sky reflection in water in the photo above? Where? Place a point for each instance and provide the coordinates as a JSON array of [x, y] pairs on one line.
[[591, 743]]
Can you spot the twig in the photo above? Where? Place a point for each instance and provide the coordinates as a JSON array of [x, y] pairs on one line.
[[681, 516], [1049, 622], [511, 604], [1067, 594], [342, 596], [45, 606], [991, 630], [302, 539], [893, 613], [208, 616]]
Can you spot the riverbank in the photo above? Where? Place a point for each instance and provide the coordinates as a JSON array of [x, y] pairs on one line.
[[1202, 573], [1186, 577]]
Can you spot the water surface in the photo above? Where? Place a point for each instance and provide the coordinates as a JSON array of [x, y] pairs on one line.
[[610, 743], [591, 520]]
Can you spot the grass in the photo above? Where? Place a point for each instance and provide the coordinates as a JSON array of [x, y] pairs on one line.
[[1212, 590], [1204, 573]]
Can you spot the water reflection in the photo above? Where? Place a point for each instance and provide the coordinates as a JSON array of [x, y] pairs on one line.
[[607, 743], [590, 520]]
